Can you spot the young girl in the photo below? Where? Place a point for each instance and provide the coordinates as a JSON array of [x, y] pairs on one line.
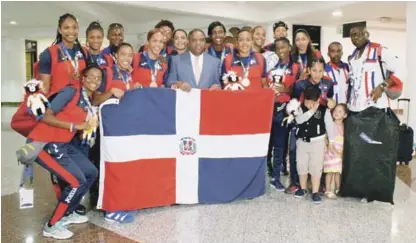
[[333, 155]]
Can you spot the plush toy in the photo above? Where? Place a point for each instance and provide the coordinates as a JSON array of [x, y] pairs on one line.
[[276, 81], [36, 101], [232, 81], [292, 109]]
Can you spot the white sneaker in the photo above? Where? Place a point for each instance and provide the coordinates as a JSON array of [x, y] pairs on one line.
[[74, 218], [57, 231]]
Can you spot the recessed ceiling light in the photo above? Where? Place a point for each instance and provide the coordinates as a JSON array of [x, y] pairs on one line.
[[13, 22], [337, 13]]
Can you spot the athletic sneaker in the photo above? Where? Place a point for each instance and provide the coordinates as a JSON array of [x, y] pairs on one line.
[[74, 218], [123, 217], [57, 231], [300, 193], [292, 189], [81, 210], [316, 198], [277, 185]]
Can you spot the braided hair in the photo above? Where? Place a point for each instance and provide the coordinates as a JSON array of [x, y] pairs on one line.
[[95, 25], [58, 38]]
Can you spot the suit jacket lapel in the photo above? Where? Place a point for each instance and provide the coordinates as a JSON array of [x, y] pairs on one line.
[[205, 70], [190, 70]]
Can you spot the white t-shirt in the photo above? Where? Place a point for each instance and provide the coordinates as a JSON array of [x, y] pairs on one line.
[[365, 75]]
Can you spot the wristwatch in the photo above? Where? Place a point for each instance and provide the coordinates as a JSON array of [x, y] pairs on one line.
[[384, 86]]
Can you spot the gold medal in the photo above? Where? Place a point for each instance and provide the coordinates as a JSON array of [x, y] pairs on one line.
[[127, 86], [153, 84], [75, 76]]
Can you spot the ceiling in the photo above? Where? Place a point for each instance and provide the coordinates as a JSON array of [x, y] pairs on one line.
[[359, 11], [39, 19]]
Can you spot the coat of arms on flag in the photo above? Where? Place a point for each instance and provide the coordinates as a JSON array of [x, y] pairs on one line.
[[161, 147], [187, 146]]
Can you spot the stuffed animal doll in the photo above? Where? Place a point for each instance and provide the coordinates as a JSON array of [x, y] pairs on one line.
[[275, 81], [232, 81], [36, 101], [292, 109]]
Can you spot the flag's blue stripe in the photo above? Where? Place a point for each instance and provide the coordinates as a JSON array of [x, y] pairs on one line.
[[226, 180], [143, 111]]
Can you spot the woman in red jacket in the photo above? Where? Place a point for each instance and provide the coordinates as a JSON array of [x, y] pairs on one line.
[[149, 69], [69, 117], [95, 37], [117, 79], [62, 63], [304, 52], [249, 66]]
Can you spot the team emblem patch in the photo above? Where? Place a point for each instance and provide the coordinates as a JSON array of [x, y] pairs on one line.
[[187, 146]]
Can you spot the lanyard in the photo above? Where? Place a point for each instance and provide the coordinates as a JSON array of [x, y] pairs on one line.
[[90, 110], [154, 69], [303, 64], [98, 60], [246, 69], [125, 80], [74, 62], [214, 54]]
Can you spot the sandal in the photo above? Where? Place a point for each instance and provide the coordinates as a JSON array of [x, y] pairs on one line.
[[330, 195]]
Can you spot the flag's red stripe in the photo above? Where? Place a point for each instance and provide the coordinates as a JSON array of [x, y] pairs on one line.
[[236, 113], [139, 184]]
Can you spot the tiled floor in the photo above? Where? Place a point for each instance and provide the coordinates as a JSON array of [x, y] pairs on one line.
[[274, 217]]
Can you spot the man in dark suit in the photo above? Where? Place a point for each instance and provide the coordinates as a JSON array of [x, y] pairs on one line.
[[194, 68]]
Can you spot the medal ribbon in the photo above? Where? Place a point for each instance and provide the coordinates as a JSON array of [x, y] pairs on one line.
[[303, 64], [74, 62], [153, 70], [246, 70], [90, 110], [96, 60], [214, 54], [123, 78]]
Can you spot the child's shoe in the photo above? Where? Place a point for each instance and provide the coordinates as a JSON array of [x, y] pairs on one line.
[[300, 193], [316, 198], [330, 195]]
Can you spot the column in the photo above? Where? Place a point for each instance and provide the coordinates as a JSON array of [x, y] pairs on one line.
[[13, 74], [410, 79]]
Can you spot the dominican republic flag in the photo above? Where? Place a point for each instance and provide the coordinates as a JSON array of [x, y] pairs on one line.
[[161, 147]]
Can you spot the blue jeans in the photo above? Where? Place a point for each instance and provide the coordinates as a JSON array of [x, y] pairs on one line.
[[279, 136], [294, 177]]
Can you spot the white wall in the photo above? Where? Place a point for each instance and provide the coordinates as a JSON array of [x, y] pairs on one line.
[[13, 69], [395, 41]]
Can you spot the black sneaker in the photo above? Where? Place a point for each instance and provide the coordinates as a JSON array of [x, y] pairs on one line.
[[81, 210], [277, 185], [300, 193], [316, 198]]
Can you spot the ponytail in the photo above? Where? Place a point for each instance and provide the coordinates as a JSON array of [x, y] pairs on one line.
[[58, 37]]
